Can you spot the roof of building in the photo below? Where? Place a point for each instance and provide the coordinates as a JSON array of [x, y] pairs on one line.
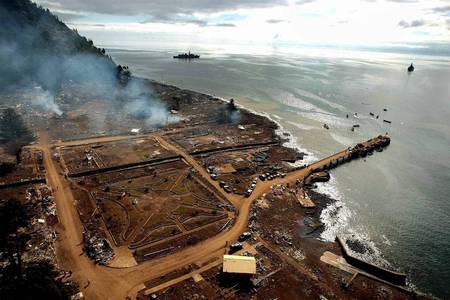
[[239, 264]]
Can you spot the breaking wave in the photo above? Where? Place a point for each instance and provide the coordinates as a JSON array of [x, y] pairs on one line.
[[336, 218], [291, 140], [336, 215]]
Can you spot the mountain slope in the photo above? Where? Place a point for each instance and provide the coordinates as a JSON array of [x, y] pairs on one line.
[[36, 46]]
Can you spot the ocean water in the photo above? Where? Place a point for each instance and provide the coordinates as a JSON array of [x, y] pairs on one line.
[[395, 202]]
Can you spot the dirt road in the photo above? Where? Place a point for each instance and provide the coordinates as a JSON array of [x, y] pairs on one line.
[[70, 235], [117, 283], [101, 139]]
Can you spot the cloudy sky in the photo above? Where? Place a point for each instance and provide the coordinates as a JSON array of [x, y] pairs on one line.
[[340, 22]]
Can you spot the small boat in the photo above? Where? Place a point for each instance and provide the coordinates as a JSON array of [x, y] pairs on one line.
[[411, 68], [372, 114], [384, 109], [387, 121]]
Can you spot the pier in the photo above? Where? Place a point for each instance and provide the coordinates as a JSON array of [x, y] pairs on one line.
[[360, 150], [133, 276], [393, 277]]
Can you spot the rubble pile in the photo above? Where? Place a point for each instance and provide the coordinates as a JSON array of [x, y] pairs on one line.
[[296, 254], [279, 190], [42, 232], [39, 238], [253, 225], [282, 237], [260, 157], [97, 248]]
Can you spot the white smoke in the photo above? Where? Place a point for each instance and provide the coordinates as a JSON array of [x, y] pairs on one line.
[[142, 104], [45, 100]]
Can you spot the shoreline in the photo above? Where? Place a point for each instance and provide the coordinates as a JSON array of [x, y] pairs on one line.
[[272, 128], [148, 184], [328, 189]]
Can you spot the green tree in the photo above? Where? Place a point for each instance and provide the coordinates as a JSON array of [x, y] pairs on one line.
[[18, 279], [13, 219], [13, 128]]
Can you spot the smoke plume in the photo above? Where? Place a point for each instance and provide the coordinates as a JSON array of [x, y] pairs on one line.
[[143, 105], [40, 52], [45, 100]]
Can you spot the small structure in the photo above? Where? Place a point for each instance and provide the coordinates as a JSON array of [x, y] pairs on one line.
[[235, 264]]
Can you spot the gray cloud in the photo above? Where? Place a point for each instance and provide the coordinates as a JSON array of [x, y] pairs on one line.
[[404, 1], [414, 23], [66, 17], [158, 7], [196, 22], [275, 21], [185, 19], [300, 2], [223, 25], [175, 19], [86, 24], [442, 10]]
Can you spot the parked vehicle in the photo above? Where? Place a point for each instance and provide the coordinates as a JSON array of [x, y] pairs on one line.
[[235, 247], [245, 236]]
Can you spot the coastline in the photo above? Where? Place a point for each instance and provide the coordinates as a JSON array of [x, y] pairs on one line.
[[274, 131], [290, 141], [335, 215], [167, 178]]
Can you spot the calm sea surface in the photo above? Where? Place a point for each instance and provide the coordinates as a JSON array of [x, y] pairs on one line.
[[395, 202]]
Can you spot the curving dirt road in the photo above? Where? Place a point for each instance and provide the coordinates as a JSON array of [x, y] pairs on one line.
[[117, 283]]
